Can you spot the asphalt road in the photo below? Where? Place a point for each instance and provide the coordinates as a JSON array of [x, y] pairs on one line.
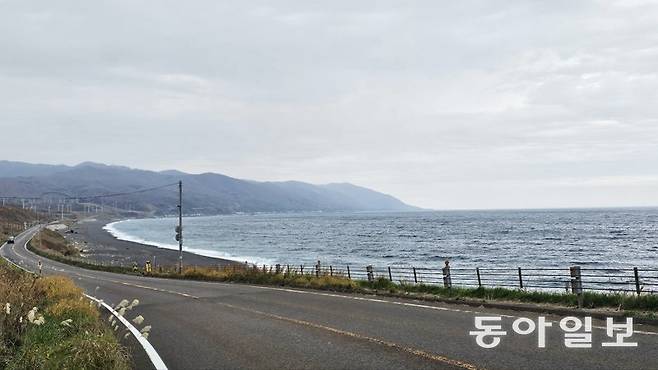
[[199, 325]]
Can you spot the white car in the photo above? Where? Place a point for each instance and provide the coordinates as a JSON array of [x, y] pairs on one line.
[[11, 240]]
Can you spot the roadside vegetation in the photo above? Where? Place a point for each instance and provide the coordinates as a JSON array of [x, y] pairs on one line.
[[53, 243], [47, 324], [617, 301], [255, 275], [339, 282]]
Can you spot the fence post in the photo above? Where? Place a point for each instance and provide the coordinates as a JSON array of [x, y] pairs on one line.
[[477, 271], [577, 284], [317, 269], [301, 269], [349, 276], [390, 276], [331, 270], [371, 277], [520, 279], [447, 279], [637, 280], [278, 269], [415, 278]]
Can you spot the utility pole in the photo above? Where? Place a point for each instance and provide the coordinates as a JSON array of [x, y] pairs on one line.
[[179, 229]]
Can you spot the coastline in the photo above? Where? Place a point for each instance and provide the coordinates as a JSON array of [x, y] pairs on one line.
[[101, 246]]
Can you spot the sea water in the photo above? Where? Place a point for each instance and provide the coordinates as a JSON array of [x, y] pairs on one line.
[[617, 238]]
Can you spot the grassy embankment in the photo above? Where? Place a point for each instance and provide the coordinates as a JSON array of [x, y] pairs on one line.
[[631, 303], [64, 331], [49, 241]]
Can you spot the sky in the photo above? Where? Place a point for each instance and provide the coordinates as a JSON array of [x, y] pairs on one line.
[[445, 105]]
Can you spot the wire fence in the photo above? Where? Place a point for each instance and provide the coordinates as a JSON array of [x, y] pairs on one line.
[[569, 279]]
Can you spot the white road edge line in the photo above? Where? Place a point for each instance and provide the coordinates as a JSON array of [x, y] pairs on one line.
[[146, 345], [150, 351]]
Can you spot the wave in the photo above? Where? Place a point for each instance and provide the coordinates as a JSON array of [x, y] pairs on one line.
[[121, 235]]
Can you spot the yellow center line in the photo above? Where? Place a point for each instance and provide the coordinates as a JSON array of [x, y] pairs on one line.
[[399, 347]]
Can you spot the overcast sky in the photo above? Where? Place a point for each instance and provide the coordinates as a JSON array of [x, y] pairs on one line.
[[467, 104]]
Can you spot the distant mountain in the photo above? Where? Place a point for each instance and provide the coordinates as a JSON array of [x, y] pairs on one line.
[[207, 193], [15, 169]]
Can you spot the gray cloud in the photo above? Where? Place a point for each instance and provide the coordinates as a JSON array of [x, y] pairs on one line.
[[465, 105]]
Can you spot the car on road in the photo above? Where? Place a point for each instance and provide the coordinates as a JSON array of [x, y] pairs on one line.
[[11, 240]]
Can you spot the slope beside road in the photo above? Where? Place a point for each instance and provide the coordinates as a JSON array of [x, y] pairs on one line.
[[203, 325]]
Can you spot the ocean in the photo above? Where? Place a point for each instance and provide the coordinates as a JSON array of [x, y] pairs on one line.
[[598, 238]]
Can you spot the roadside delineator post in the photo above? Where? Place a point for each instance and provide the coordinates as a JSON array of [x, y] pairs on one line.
[[638, 289], [577, 284], [349, 276], [447, 279], [390, 276], [317, 269], [370, 274]]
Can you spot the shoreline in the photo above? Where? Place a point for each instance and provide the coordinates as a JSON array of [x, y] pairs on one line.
[[101, 246]]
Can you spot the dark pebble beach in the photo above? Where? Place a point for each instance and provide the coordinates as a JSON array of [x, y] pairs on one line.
[[101, 246]]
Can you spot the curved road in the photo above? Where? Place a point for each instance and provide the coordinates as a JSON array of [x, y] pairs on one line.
[[204, 325]]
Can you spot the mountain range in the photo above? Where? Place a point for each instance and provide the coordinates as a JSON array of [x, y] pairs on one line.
[[207, 193]]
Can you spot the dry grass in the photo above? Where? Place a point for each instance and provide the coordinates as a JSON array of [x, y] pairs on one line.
[[255, 275], [87, 343], [338, 282], [52, 242]]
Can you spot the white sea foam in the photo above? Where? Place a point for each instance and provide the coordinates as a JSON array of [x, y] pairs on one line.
[[120, 235]]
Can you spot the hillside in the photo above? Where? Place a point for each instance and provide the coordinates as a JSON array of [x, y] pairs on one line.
[[207, 193], [12, 220]]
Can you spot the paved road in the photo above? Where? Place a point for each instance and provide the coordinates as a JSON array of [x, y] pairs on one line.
[[198, 325]]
